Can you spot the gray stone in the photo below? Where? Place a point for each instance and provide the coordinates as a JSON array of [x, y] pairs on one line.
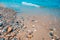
[[2, 38]]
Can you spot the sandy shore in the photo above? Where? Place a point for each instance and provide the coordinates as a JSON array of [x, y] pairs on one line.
[[28, 27], [40, 26]]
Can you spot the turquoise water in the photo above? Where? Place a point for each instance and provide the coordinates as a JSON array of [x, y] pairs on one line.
[[46, 3], [47, 7]]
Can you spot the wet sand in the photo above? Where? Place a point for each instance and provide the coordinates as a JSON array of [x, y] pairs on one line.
[[41, 26]]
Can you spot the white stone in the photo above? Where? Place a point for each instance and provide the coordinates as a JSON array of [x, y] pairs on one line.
[[36, 21], [33, 25], [35, 30]]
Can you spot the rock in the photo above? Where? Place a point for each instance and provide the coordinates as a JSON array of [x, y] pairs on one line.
[[2, 38]]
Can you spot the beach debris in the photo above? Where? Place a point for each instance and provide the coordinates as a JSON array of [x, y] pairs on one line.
[[53, 34], [17, 23], [1, 23], [0, 32], [29, 34], [56, 37], [33, 26], [9, 29], [53, 39], [1, 16], [14, 39], [35, 30], [34, 21], [52, 30]]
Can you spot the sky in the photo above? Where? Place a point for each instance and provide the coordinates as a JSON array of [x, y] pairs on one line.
[[39, 7]]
